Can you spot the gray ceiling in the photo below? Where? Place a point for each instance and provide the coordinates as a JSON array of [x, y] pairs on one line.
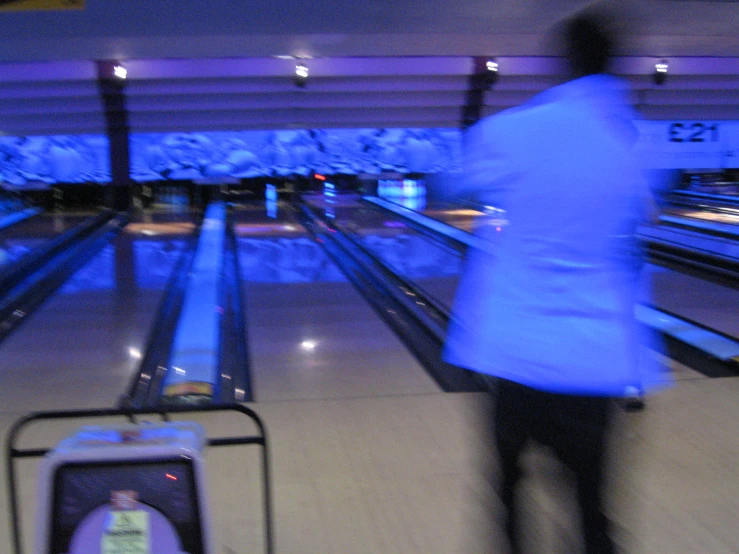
[[329, 28]]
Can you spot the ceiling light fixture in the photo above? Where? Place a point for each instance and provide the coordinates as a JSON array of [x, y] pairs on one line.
[[301, 75], [120, 71], [660, 72], [491, 73]]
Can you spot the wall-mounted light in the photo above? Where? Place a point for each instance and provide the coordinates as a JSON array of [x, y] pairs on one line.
[[308, 345], [660, 72], [301, 75], [491, 72], [120, 71]]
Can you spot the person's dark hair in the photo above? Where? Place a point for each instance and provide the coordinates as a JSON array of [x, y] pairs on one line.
[[589, 43]]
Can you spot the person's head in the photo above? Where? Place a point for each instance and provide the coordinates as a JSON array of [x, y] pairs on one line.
[[588, 43]]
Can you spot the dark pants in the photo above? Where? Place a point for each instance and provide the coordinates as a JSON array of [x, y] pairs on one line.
[[575, 427]]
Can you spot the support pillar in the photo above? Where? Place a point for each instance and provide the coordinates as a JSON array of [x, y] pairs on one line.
[[477, 84], [113, 97]]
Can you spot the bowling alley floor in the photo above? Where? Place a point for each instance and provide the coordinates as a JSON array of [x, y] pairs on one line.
[[404, 473], [368, 455]]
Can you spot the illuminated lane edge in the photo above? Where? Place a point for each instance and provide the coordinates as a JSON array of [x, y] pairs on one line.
[[697, 241], [729, 199], [193, 364], [442, 228], [717, 345], [11, 219], [714, 344], [726, 228]]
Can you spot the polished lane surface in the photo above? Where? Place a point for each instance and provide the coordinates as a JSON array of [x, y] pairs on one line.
[[727, 218], [429, 265], [81, 347], [310, 334], [22, 237]]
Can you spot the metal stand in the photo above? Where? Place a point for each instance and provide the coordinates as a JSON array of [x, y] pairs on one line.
[[12, 452]]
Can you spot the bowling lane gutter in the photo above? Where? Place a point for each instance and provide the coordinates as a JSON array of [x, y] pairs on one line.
[[722, 270], [432, 228], [702, 348], [235, 377], [691, 198], [144, 388], [30, 282], [416, 319]]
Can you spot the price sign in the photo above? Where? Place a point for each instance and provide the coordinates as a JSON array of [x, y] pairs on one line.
[[688, 144], [693, 132], [730, 145]]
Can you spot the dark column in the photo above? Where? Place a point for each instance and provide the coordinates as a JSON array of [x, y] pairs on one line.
[[126, 297], [125, 267], [477, 84], [112, 94]]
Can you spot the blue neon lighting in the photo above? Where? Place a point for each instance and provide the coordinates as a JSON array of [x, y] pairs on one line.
[[54, 159], [245, 154]]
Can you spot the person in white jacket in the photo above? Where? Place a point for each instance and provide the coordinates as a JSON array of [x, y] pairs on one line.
[[548, 308]]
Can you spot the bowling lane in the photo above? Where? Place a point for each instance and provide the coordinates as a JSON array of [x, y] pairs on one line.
[[468, 215], [728, 217], [461, 215], [428, 264], [310, 333], [22, 237], [80, 348], [709, 304], [436, 269]]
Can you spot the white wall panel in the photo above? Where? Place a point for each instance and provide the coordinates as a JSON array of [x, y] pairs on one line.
[[305, 100], [500, 98], [320, 67], [209, 125], [291, 118], [50, 106], [246, 85], [50, 98], [690, 97], [73, 124], [48, 71], [682, 112], [52, 89]]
